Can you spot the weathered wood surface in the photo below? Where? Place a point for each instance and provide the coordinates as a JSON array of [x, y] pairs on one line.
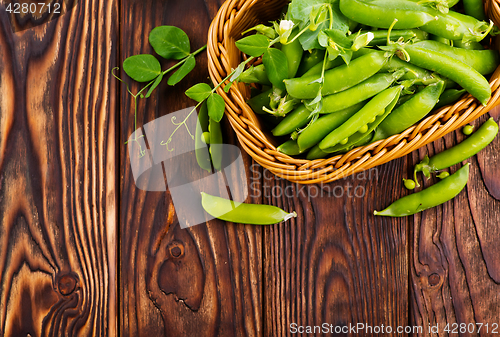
[[334, 263], [58, 174]]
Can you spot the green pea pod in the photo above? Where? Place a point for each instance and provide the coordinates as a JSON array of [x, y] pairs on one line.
[[432, 196], [294, 120], [394, 63], [466, 76], [381, 13], [471, 45], [316, 153], [290, 148], [215, 144], [359, 93], [293, 52], [337, 79], [440, 39], [466, 149], [484, 61], [255, 74], [371, 110], [318, 68], [360, 137], [380, 36], [260, 101], [201, 149], [448, 97], [455, 26], [315, 132], [410, 112], [238, 212], [309, 60], [475, 8]]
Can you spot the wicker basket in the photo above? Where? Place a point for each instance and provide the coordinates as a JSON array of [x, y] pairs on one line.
[[234, 17]]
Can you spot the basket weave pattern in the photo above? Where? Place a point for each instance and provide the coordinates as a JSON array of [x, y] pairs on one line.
[[234, 17]]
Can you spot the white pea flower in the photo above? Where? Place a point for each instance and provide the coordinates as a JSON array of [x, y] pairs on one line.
[[285, 30]]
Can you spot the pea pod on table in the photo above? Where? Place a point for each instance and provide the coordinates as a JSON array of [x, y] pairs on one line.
[[215, 144], [432, 196], [337, 79], [466, 149], [201, 149], [238, 212]]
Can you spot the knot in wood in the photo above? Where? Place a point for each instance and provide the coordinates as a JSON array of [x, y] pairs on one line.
[[434, 279], [176, 249], [66, 284]]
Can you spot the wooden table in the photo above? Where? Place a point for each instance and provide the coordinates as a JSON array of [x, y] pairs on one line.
[[84, 252]]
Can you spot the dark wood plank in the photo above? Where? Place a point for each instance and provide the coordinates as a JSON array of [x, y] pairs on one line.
[[455, 270], [57, 174], [204, 280], [336, 263]]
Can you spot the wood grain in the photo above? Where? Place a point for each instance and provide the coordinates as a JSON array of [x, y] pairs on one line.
[[455, 270], [336, 263], [201, 281], [57, 175]]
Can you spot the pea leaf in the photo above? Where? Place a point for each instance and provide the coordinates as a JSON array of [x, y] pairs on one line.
[[276, 65], [254, 45], [185, 69], [154, 85], [170, 42], [199, 92], [142, 68], [216, 106]]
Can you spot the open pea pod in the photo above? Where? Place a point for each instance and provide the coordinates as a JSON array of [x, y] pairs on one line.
[[364, 136], [376, 108], [410, 112]]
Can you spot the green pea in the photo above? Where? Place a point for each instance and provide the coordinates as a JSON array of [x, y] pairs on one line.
[[364, 129], [467, 130], [205, 137], [443, 175], [344, 141], [409, 184]]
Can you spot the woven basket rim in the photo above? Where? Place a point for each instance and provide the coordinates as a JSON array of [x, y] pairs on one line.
[[236, 15]]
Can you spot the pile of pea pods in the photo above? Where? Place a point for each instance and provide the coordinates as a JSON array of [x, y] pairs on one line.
[[398, 61]]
